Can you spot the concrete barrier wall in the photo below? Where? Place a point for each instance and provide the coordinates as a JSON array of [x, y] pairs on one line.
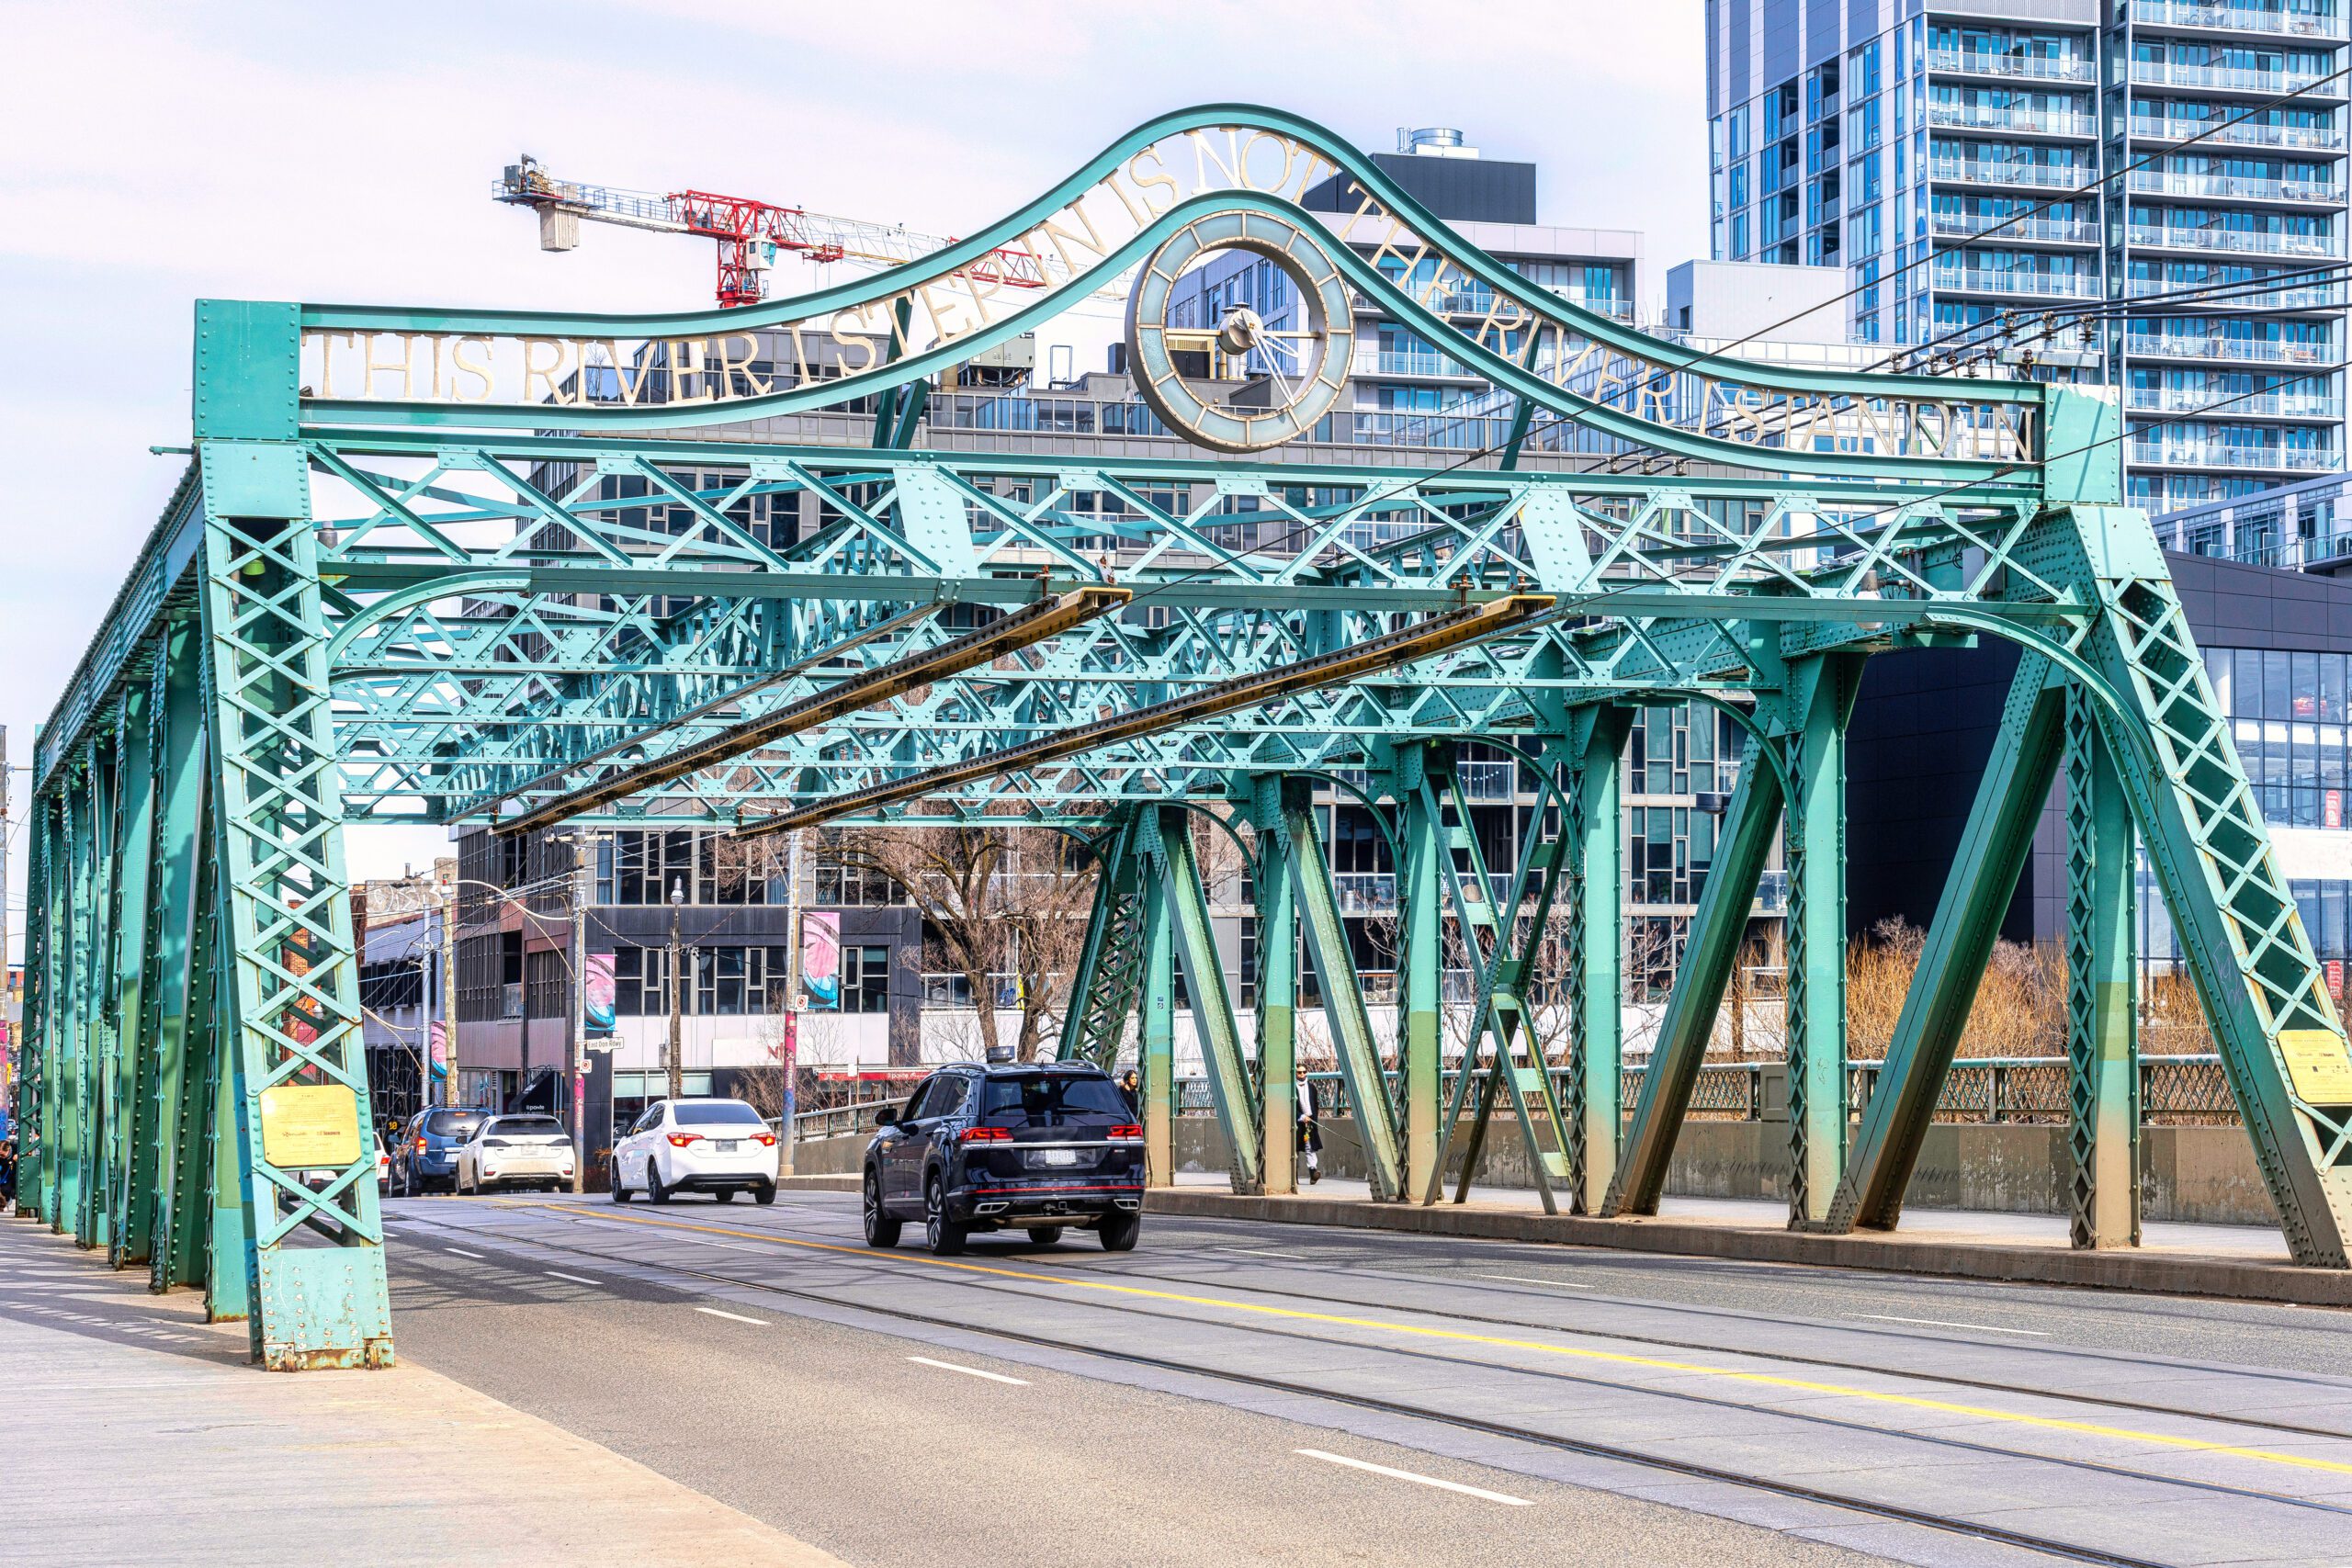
[[2204, 1174]]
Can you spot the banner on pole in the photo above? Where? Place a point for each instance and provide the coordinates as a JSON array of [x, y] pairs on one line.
[[598, 983], [439, 1049], [821, 957]]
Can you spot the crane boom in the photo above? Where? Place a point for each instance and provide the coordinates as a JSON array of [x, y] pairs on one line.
[[749, 233]]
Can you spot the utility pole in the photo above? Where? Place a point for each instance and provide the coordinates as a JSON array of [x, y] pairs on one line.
[[791, 1007], [583, 868], [677, 1062], [449, 1093]]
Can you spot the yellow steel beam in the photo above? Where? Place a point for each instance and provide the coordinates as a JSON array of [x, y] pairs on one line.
[[1432, 635], [1030, 624]]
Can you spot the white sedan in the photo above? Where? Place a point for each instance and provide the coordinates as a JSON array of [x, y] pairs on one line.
[[718, 1146], [515, 1151]]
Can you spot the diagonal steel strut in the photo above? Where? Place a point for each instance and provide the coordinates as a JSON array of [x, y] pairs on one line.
[[1433, 636], [1046, 618]]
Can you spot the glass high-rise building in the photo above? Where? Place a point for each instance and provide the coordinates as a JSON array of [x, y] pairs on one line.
[[2191, 155]]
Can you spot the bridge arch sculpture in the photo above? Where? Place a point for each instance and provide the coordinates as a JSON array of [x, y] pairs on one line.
[[441, 566]]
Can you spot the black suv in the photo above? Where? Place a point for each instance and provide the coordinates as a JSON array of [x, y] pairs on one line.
[[1039, 1147]]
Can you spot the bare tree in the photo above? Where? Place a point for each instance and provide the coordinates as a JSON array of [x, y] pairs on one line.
[[996, 904]]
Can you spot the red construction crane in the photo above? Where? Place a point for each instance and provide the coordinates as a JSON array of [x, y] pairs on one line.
[[749, 233]]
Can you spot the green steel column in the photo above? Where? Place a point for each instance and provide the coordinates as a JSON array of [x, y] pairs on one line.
[[1420, 941], [1994, 849], [292, 987], [72, 1109], [2282, 1044], [1102, 991], [228, 1292], [57, 967], [1277, 983], [1194, 938], [1308, 871], [1159, 1044], [133, 1081], [1717, 931], [2102, 1045], [1821, 700], [37, 1067], [193, 1215], [180, 843], [1596, 834]]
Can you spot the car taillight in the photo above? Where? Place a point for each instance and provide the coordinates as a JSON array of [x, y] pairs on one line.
[[985, 1135], [1127, 1130], [768, 1139], [680, 1140], [420, 1145]]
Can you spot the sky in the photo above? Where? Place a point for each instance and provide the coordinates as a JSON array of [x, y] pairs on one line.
[[154, 154]]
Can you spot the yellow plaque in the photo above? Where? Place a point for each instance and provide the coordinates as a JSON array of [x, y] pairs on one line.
[[310, 1127], [2317, 1066]]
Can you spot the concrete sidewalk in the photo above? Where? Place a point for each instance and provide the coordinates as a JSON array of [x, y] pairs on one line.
[[133, 1431]]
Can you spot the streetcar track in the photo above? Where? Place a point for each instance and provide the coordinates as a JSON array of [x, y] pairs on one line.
[[1791, 1358], [1697, 1469]]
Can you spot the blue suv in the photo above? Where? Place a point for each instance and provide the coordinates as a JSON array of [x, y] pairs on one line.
[[1040, 1147], [427, 1158]]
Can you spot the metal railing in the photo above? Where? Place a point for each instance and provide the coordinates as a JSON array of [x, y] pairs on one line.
[[2223, 455], [2323, 296], [2012, 172], [1998, 1090], [2032, 67], [2234, 187], [2245, 133], [2226, 78], [2246, 242], [2009, 117], [2242, 18], [2055, 230], [2016, 280], [2250, 350], [2188, 405]]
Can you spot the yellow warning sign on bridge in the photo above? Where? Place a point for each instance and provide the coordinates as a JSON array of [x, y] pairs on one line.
[[2318, 1066], [310, 1127]]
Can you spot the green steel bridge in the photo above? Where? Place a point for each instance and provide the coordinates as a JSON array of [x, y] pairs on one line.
[[395, 586]]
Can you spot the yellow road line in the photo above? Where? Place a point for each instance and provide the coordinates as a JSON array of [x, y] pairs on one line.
[[1460, 1337]]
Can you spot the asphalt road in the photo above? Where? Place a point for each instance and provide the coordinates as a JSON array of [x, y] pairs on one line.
[[1212, 1397]]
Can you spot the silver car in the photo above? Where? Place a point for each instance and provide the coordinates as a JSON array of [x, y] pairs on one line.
[[524, 1150]]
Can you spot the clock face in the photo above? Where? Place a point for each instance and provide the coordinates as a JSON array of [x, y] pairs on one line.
[[1236, 383]]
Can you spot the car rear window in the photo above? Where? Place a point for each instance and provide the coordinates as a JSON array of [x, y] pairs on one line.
[[528, 1124], [1052, 1097], [715, 1113], [449, 1124]]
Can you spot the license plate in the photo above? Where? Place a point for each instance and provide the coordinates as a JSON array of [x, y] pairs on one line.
[[1058, 1156], [727, 1147]]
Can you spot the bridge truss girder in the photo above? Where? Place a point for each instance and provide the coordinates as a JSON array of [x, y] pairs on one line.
[[360, 608]]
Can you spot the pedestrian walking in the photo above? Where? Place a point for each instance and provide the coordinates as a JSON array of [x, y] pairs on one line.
[[1132, 1087], [7, 1171], [1310, 1127]]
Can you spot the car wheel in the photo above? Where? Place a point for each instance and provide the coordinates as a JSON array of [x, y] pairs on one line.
[[881, 1228], [655, 1191], [724, 1195], [763, 1193], [1118, 1230], [620, 1187], [1044, 1235], [941, 1234]]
